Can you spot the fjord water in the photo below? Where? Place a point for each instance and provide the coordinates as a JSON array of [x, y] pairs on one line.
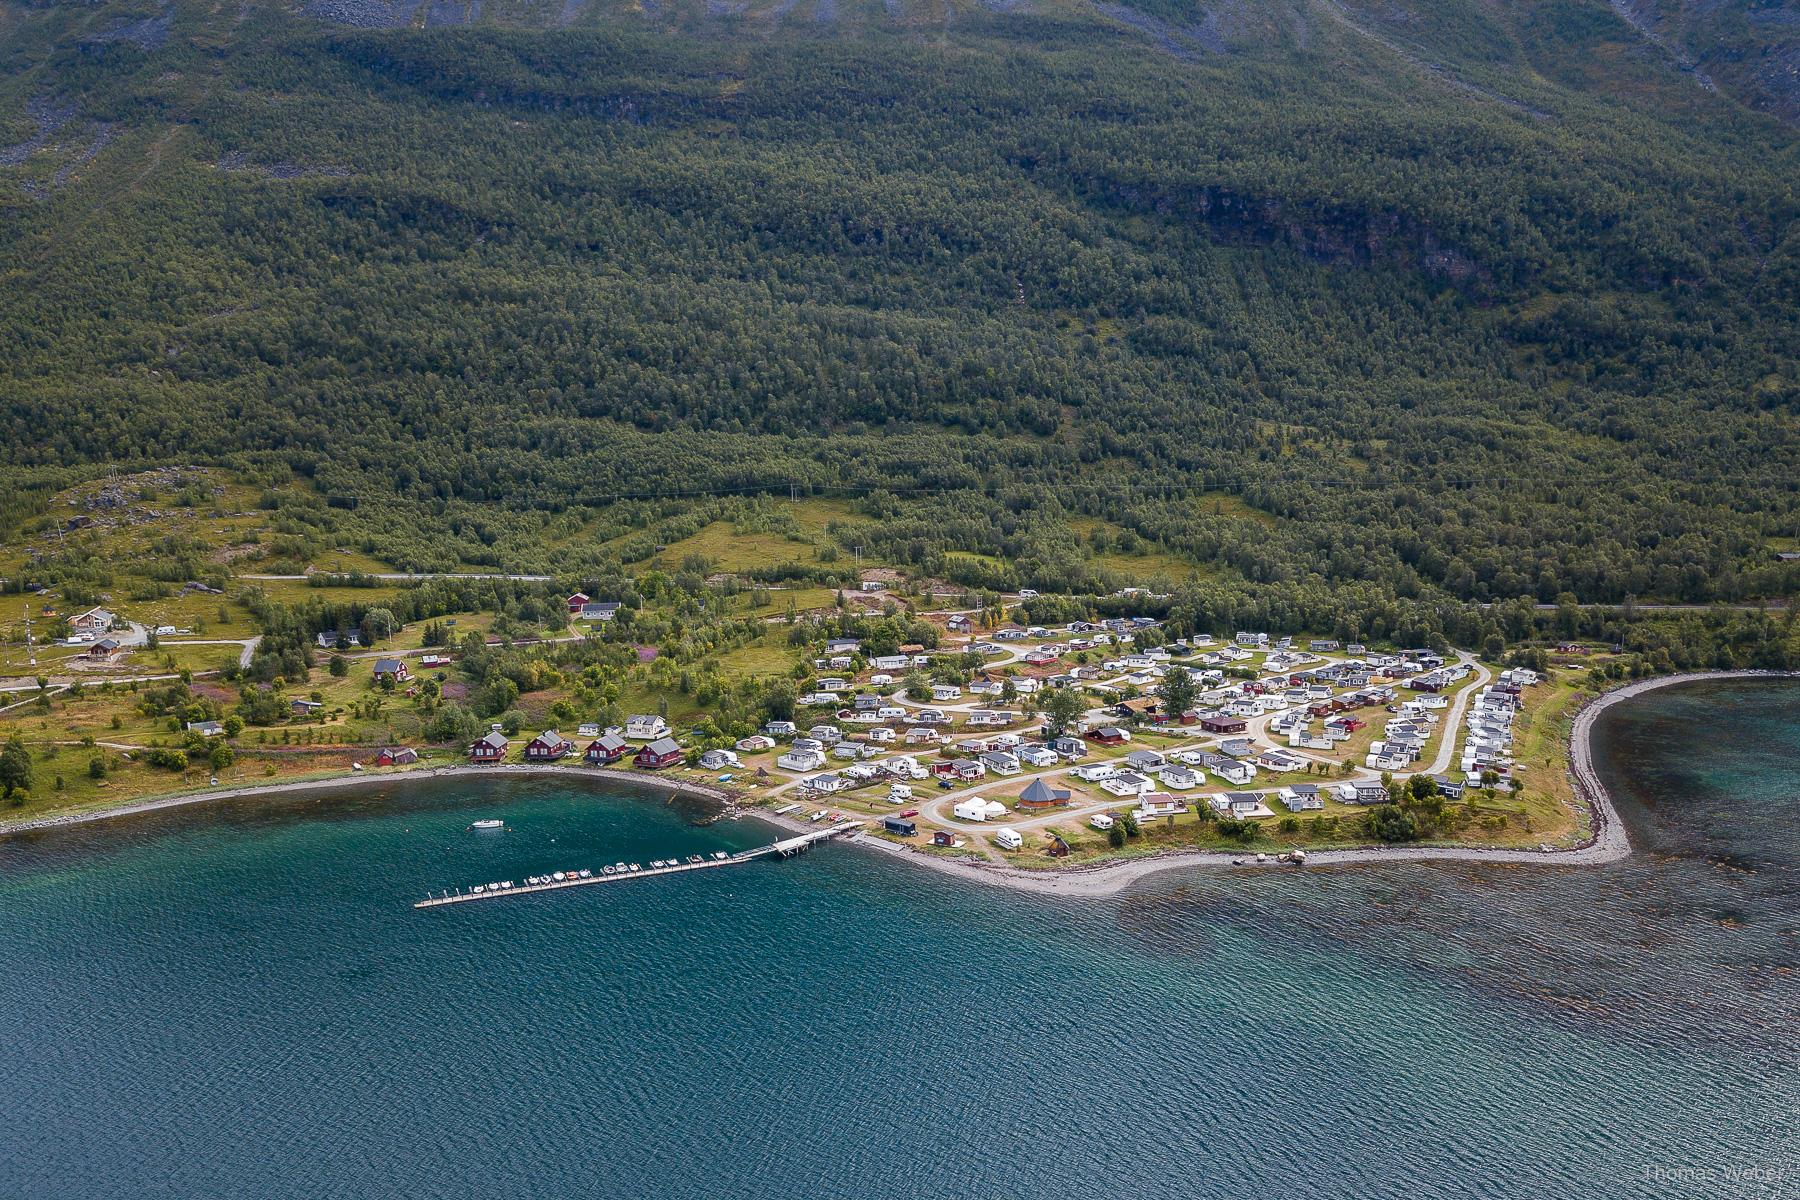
[[238, 1000]]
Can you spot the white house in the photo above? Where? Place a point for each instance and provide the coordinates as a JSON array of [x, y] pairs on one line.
[[1301, 797], [801, 760], [1232, 771], [642, 727], [1242, 805], [1000, 763], [1126, 783], [945, 691], [1159, 804], [1179, 778]]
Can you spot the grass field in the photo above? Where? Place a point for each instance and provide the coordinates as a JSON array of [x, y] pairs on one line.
[[768, 656], [1541, 758]]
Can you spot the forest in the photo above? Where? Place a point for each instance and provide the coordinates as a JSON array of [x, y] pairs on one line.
[[1455, 330]]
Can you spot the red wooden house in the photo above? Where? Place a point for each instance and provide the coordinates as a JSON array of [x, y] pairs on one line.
[[548, 746], [396, 756], [607, 748], [1220, 723], [576, 601], [490, 749], [663, 752]]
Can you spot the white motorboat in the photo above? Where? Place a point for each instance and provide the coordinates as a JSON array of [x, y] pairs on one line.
[[484, 826]]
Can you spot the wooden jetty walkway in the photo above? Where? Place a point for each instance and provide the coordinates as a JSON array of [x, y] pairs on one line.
[[785, 848]]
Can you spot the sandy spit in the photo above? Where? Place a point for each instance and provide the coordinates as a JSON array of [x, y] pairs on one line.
[[361, 779]]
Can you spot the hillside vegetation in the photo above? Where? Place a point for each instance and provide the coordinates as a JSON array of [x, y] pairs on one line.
[[1316, 298]]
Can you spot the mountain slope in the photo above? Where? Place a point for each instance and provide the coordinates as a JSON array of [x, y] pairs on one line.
[[1461, 313]]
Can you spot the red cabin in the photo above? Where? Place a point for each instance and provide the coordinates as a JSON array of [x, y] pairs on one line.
[[607, 748], [548, 746], [663, 752]]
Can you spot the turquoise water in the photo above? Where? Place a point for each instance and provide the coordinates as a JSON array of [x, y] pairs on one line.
[[240, 1001]]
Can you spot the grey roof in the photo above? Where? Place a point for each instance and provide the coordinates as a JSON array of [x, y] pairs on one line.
[[663, 746], [1039, 792]]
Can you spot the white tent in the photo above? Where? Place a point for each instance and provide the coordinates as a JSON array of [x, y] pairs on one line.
[[977, 809]]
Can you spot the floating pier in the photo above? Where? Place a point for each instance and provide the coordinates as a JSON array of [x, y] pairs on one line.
[[785, 848]]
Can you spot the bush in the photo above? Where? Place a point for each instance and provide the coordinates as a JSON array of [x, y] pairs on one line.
[[1391, 823], [168, 760]]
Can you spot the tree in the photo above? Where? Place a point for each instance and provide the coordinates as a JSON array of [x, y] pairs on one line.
[[378, 625], [1061, 707], [453, 723], [96, 768], [1115, 835], [15, 766], [339, 666], [1177, 692], [1391, 823], [918, 686]]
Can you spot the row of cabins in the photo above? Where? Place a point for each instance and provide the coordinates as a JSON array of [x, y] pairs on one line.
[[550, 746], [1488, 740]]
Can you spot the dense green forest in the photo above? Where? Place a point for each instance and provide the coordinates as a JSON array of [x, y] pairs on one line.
[[1475, 305]]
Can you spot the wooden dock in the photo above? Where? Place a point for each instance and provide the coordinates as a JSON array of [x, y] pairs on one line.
[[785, 848]]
